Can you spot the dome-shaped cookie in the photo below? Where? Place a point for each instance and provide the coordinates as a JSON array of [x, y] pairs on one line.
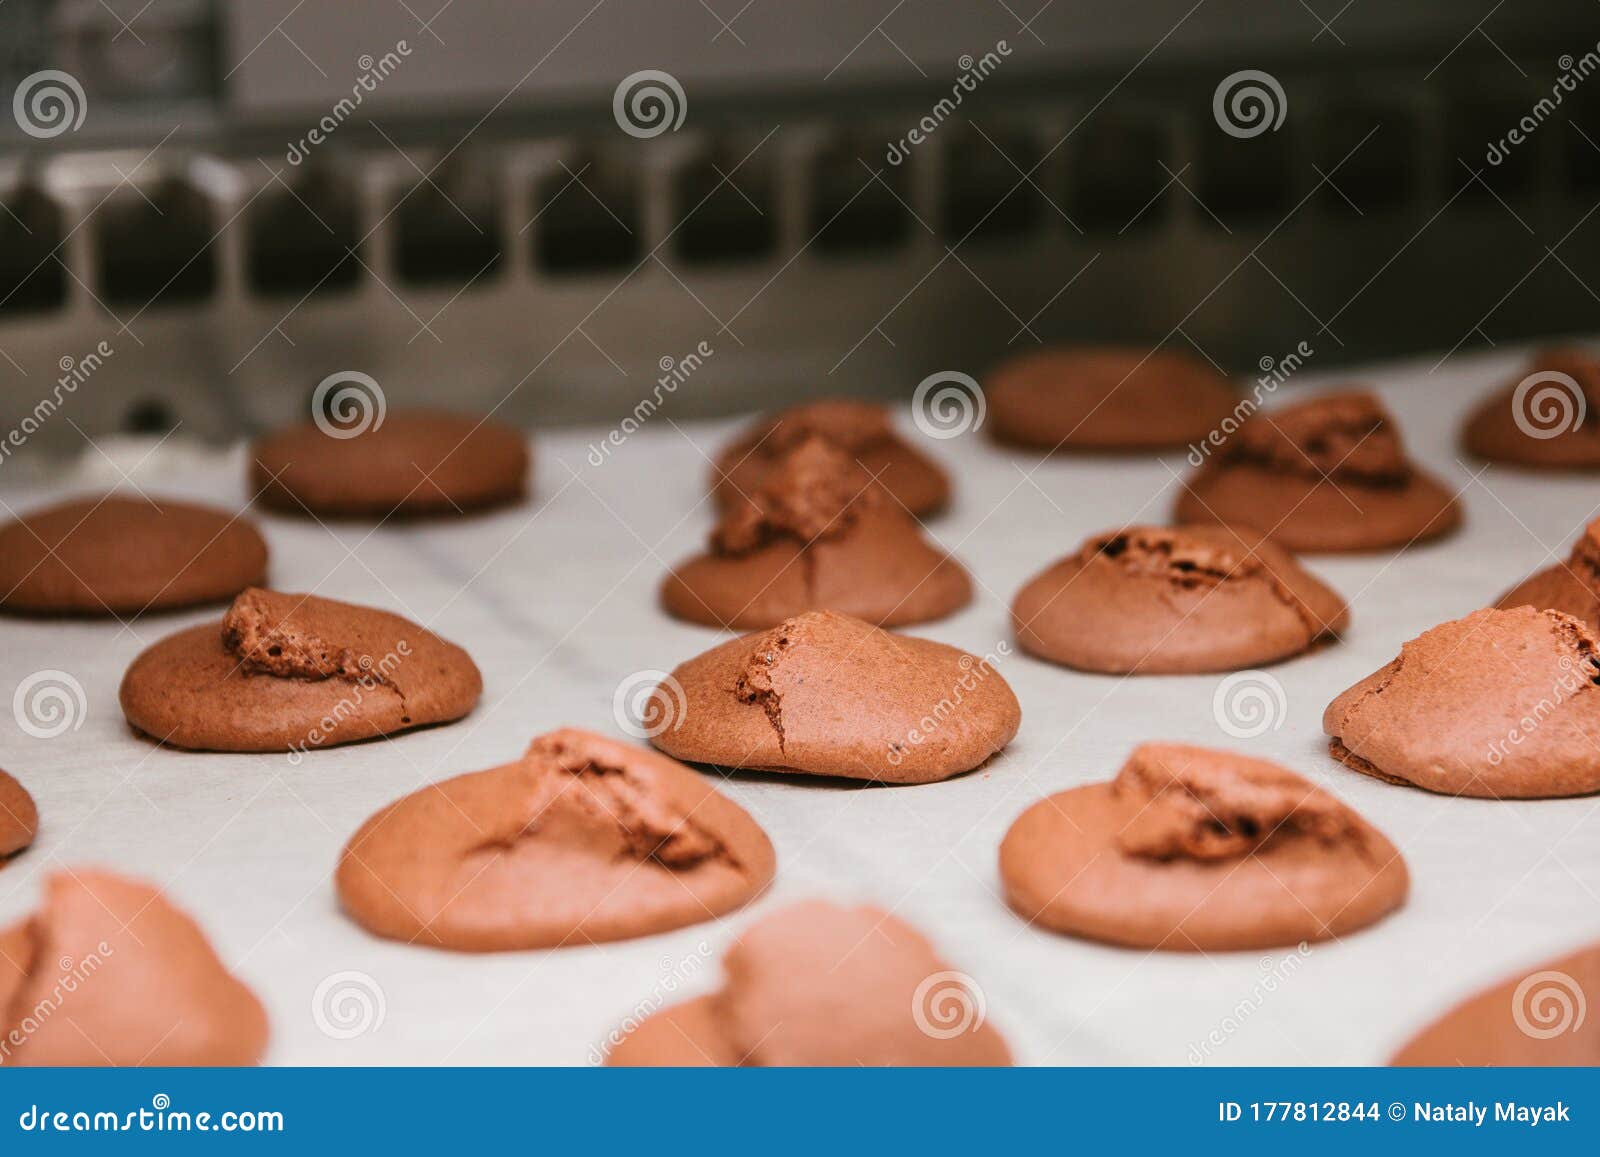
[[1572, 587], [816, 536], [19, 818], [861, 430], [1194, 849], [1500, 704], [107, 972], [581, 840], [827, 694], [816, 984], [124, 554], [1547, 419], [1106, 399], [285, 672], [1158, 600], [1326, 474]]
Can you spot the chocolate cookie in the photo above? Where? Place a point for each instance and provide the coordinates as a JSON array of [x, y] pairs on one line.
[[1500, 704], [19, 819], [1538, 1017], [120, 555], [1194, 849], [108, 973], [1572, 586], [408, 463], [1152, 600], [1548, 419], [827, 694], [815, 536], [1327, 474], [861, 430], [294, 673], [581, 840], [815, 984], [1106, 399]]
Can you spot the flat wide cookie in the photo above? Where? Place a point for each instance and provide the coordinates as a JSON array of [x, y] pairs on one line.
[[581, 840], [1192, 849], [19, 818], [286, 672], [1548, 419], [1572, 587]]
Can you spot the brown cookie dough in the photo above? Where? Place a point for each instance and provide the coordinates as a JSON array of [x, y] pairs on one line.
[[1153, 600], [1557, 398], [412, 463], [1544, 1016], [827, 694], [1106, 399], [1326, 474], [121, 555], [816, 984], [1194, 849], [581, 840], [1572, 586], [861, 430], [107, 972], [815, 536], [287, 672], [1500, 704], [19, 819]]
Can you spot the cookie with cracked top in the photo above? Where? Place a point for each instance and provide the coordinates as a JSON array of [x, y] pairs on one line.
[[1551, 423], [1572, 587]]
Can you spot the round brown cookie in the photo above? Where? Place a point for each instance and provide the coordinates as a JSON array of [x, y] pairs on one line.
[[1500, 704], [1106, 399], [1326, 474], [1153, 600], [410, 463], [816, 984], [826, 694], [1538, 1017], [132, 981], [1548, 419], [294, 673], [861, 430], [1572, 587], [1194, 849], [581, 840], [19, 818], [815, 536], [119, 555]]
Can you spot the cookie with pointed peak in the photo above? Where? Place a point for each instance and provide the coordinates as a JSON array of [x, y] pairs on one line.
[[583, 839], [286, 672], [126, 554], [19, 818], [827, 694], [1106, 399], [405, 463], [1540, 1016], [816, 536], [131, 980], [1192, 849], [1548, 419], [817, 984], [1158, 600], [1572, 587], [862, 430], [1327, 474]]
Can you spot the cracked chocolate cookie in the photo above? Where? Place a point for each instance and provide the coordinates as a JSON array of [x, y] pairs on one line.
[[1191, 849], [1106, 399], [407, 463], [1500, 704], [1326, 474], [295, 673], [1152, 600], [1548, 419], [1572, 587], [123, 555], [816, 984], [816, 536], [581, 840], [861, 430], [827, 694], [19, 819], [129, 981]]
